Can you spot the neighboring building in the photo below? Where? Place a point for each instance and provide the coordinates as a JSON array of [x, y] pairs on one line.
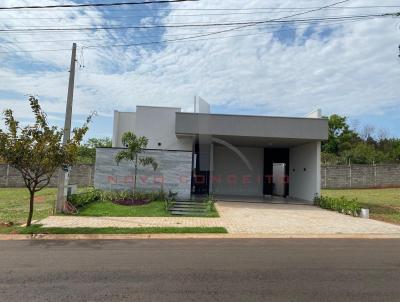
[[223, 155]]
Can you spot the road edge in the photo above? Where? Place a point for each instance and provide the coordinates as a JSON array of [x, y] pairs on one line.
[[192, 236]]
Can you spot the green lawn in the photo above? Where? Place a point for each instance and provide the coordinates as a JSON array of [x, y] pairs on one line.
[[107, 208], [384, 204], [153, 209], [14, 204], [14, 207], [37, 229], [142, 230]]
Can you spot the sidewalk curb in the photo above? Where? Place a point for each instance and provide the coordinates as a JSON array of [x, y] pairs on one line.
[[17, 237]]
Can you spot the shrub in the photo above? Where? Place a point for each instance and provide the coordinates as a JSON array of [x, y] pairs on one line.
[[341, 205], [125, 195], [170, 199], [82, 199]]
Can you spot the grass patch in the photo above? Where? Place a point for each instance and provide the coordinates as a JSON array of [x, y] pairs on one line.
[[384, 204], [37, 229], [107, 208], [153, 209], [213, 213], [14, 207], [14, 204]]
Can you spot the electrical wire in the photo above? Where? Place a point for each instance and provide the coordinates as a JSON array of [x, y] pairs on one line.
[[279, 26], [93, 4], [183, 25], [197, 24], [186, 36], [273, 11], [223, 31]]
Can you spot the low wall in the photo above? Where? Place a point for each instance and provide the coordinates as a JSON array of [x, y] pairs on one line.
[[332, 177], [173, 172], [360, 176], [82, 175]]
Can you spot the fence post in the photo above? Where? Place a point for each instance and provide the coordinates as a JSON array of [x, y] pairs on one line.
[[350, 176], [90, 175], [7, 174], [374, 175], [325, 181]]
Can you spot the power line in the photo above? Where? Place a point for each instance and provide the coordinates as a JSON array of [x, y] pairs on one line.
[[338, 22], [237, 28], [166, 41], [183, 25], [273, 8], [276, 19], [92, 4], [277, 10], [185, 39]]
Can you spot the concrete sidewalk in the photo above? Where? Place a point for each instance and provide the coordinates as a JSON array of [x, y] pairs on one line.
[[129, 222], [249, 219]]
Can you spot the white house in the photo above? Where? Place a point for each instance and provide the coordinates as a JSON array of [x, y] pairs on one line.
[[225, 155]]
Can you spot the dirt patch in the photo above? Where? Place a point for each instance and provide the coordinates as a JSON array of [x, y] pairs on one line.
[[39, 199]]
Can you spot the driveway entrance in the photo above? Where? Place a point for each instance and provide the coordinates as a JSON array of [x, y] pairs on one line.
[[263, 218]]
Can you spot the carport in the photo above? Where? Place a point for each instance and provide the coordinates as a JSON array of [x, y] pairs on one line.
[[254, 156]]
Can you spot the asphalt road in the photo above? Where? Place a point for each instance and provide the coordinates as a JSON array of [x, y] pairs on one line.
[[200, 270]]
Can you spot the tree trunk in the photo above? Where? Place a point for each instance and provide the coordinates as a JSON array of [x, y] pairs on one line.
[[31, 199]]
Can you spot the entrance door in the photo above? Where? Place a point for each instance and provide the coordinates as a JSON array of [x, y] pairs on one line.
[[278, 179], [271, 156], [201, 170]]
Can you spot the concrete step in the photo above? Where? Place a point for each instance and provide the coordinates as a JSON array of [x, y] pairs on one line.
[[188, 210], [189, 203], [182, 213], [197, 206]]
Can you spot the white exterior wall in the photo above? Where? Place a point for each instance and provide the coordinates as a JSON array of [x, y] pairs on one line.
[[226, 163], [305, 171], [155, 123], [123, 122], [317, 113]]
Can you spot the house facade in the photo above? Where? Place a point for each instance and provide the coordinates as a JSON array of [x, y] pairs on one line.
[[201, 153]]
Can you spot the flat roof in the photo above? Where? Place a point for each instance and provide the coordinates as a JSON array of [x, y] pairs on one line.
[[304, 128], [255, 115]]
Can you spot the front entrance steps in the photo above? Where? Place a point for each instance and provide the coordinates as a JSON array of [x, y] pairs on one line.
[[189, 208]]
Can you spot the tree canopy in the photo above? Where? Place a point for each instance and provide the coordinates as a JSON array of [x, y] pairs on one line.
[[87, 151], [346, 145], [134, 145], [36, 150]]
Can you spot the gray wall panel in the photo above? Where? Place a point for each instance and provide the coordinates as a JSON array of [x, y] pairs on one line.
[[173, 172]]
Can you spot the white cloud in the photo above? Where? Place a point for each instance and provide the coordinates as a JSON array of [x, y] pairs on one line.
[[354, 71]]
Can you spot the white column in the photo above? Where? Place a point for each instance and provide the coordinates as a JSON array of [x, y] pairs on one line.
[[211, 168], [115, 137]]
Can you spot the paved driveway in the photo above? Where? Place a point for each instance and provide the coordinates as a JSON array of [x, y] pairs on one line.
[[295, 219], [247, 218]]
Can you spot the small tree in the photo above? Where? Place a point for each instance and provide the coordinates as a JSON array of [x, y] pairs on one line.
[[134, 146], [36, 151]]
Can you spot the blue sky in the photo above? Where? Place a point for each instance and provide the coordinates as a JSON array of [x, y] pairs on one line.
[[350, 68]]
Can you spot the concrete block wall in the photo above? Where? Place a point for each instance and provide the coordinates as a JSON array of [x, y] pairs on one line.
[[173, 172], [82, 175], [334, 177], [360, 176]]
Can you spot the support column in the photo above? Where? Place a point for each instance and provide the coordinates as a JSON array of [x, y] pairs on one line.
[[211, 191]]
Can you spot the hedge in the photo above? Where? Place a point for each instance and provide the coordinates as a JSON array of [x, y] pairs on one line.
[[341, 205], [81, 200]]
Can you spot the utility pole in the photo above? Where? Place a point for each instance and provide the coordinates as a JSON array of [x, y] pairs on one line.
[[63, 175]]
